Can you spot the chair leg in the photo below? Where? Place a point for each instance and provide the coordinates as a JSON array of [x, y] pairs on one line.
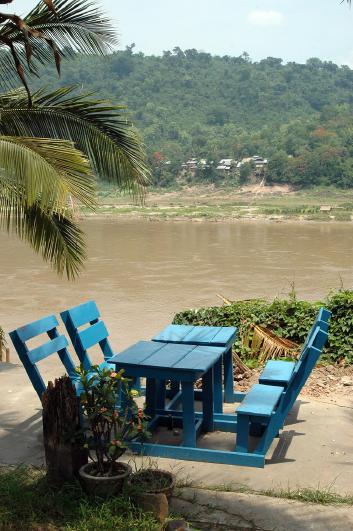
[[228, 376], [243, 423], [187, 398]]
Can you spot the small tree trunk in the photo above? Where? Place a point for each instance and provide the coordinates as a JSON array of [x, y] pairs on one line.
[[64, 453]]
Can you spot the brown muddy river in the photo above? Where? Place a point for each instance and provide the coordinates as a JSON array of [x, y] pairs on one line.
[[140, 273]]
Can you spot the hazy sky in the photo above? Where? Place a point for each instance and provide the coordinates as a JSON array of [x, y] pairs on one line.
[[291, 29]]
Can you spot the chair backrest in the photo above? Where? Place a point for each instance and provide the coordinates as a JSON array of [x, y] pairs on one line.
[[322, 320], [304, 367], [30, 357], [94, 334]]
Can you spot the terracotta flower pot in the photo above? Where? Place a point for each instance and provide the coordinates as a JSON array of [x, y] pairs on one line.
[[104, 486], [153, 481]]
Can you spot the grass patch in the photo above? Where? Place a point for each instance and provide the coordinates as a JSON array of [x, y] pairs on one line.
[[28, 501], [324, 496]]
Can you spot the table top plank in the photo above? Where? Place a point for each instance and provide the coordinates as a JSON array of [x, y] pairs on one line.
[[202, 334], [200, 359], [169, 356], [138, 352], [197, 335], [225, 334]]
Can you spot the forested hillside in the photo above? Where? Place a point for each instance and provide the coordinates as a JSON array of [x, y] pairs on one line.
[[191, 104]]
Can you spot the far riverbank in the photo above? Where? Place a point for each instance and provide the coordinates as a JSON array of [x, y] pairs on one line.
[[252, 203]]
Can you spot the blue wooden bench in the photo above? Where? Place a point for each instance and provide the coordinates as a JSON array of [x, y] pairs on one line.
[[266, 407], [279, 372], [57, 344], [211, 336]]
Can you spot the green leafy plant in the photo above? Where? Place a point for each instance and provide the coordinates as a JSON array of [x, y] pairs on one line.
[[110, 427], [288, 318]]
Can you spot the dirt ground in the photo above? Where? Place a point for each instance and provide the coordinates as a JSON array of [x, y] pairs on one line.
[[329, 382]]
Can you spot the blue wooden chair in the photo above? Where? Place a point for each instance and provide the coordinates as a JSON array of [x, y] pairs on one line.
[[267, 406], [280, 372], [57, 344], [95, 333]]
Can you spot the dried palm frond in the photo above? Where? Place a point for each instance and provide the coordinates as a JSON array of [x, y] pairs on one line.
[[266, 345], [227, 302]]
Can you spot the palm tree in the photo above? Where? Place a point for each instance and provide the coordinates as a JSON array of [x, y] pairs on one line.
[[54, 144]]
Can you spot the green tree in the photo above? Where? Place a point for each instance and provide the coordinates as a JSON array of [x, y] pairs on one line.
[[53, 143]]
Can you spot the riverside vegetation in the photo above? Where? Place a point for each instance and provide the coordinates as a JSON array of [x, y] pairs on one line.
[[192, 104], [288, 318]]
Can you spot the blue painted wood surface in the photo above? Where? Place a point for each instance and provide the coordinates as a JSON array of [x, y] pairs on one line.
[[200, 454], [173, 358], [279, 372], [159, 362], [207, 336], [252, 410], [261, 400], [57, 344], [197, 335], [95, 334]]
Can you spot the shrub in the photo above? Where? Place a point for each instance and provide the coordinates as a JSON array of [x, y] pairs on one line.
[[290, 318]]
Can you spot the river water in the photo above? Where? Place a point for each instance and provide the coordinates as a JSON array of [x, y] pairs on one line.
[[141, 273]]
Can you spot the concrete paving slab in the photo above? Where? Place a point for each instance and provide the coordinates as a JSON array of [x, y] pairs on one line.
[[206, 509], [314, 450]]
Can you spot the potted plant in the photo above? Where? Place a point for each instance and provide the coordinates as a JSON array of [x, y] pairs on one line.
[[153, 481], [151, 489], [110, 425]]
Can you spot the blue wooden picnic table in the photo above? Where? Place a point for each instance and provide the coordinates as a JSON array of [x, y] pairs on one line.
[[212, 336], [158, 362]]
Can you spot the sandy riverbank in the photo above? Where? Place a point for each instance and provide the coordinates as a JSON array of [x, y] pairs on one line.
[[276, 204]]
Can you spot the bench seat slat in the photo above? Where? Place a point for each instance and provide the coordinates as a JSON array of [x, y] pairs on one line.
[[47, 349], [261, 400], [278, 372], [93, 334]]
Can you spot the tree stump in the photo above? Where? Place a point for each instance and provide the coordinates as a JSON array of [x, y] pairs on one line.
[[63, 439]]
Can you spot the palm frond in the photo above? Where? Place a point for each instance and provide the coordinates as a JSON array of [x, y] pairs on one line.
[[46, 171], [53, 235], [98, 128], [49, 31]]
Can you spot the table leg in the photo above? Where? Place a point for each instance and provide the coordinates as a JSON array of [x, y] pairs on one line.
[[160, 392], [187, 399], [228, 376], [207, 400], [151, 397], [217, 383]]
